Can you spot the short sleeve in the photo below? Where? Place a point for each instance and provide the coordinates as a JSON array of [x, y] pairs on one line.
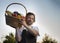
[[36, 28]]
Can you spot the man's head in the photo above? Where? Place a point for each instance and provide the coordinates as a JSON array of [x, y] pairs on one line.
[[30, 18]]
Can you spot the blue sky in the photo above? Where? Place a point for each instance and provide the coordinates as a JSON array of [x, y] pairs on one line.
[[47, 16]]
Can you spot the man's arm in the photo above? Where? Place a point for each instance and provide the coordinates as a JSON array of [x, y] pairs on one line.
[[32, 31], [18, 35]]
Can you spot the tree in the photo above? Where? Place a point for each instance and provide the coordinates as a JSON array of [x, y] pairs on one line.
[[47, 39], [9, 38]]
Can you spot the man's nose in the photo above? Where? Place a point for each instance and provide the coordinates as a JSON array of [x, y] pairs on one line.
[[29, 19]]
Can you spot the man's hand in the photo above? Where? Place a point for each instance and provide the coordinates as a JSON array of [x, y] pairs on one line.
[[23, 22]]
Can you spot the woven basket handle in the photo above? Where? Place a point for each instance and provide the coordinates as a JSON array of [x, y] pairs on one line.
[[17, 4]]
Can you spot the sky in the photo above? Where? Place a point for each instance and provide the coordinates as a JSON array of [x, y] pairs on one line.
[[47, 16]]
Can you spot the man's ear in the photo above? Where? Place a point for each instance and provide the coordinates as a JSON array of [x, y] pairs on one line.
[[34, 20]]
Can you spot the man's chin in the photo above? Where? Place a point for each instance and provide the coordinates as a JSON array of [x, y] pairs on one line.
[[29, 24]]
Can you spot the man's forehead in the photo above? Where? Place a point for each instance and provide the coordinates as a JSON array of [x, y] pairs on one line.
[[30, 15]]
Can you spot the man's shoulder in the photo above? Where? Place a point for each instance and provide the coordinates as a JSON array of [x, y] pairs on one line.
[[34, 26]]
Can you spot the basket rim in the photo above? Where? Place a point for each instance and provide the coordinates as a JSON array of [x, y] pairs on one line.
[[17, 4]]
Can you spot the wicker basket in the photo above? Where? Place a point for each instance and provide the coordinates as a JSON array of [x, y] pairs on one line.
[[10, 20]]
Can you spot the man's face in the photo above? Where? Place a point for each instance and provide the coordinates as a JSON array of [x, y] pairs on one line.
[[30, 19]]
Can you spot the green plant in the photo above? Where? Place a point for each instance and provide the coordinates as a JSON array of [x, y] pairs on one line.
[[47, 39], [9, 38]]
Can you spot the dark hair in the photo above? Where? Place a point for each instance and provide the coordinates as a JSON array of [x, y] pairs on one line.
[[30, 13], [15, 12]]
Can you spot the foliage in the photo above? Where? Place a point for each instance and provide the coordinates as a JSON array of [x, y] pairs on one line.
[[9, 38], [47, 39]]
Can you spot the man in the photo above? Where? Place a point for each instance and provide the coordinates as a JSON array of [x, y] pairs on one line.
[[27, 33]]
